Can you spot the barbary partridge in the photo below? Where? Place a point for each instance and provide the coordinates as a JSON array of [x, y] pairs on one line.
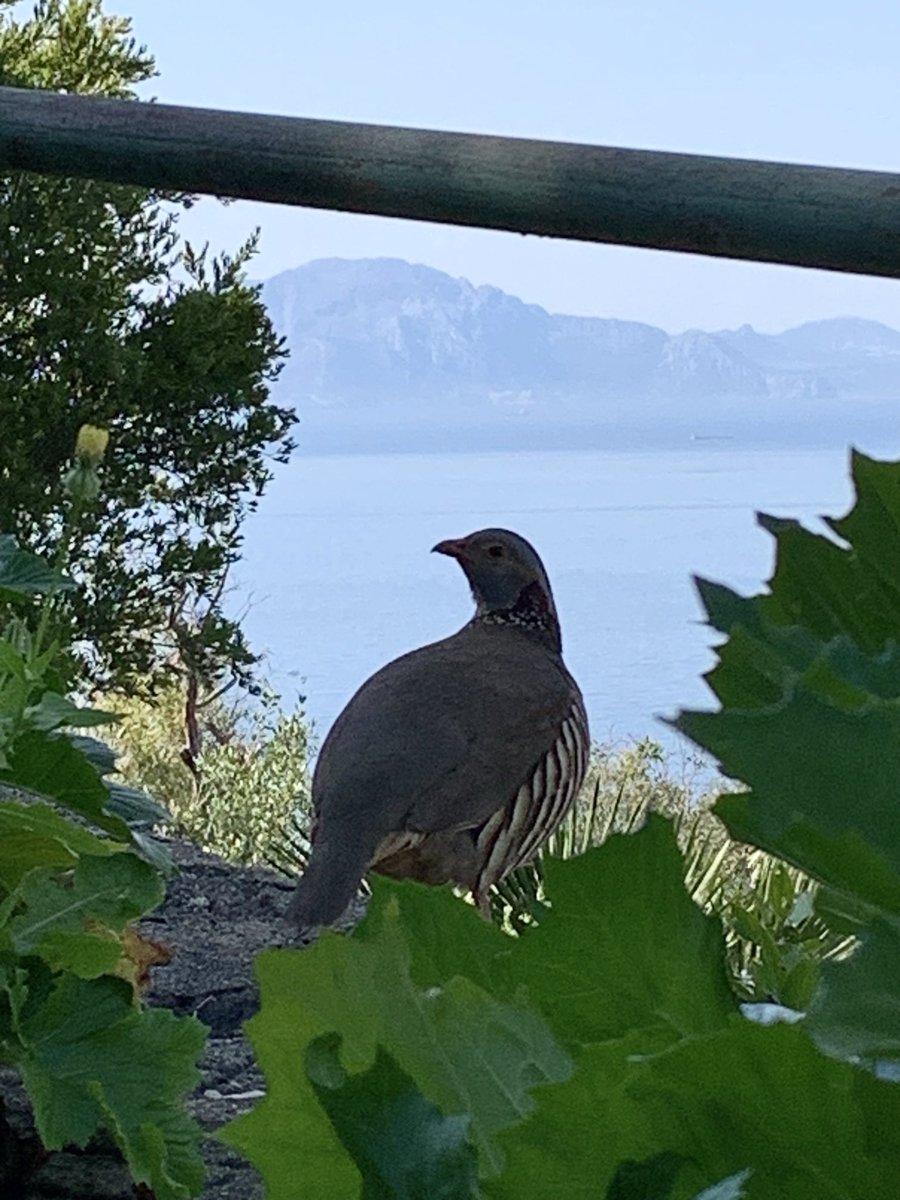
[[455, 762]]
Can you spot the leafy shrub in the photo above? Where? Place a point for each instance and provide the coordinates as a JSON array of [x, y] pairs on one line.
[[109, 316], [71, 966], [247, 774]]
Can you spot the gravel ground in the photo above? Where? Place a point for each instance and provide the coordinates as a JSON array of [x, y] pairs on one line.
[[215, 918]]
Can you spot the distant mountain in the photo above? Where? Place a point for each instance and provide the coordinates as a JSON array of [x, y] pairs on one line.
[[388, 355]]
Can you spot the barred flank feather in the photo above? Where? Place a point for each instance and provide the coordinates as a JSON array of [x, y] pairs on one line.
[[514, 834]]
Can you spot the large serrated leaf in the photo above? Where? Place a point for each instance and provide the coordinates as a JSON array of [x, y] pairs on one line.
[[580, 964], [824, 785], [71, 922], [822, 757], [91, 1058], [872, 527], [34, 835], [404, 1147], [466, 1050], [745, 1098], [826, 589], [52, 765], [406, 982]]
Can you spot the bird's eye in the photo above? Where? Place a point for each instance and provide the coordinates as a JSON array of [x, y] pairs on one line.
[[495, 551]]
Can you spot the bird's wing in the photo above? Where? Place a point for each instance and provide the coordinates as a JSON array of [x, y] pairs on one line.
[[443, 737]]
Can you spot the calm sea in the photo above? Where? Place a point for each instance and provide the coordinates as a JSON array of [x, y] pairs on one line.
[[338, 577]]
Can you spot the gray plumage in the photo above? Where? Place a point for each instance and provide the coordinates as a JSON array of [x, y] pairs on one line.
[[455, 762]]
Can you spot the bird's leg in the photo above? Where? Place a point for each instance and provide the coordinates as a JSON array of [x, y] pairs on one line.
[[483, 900]]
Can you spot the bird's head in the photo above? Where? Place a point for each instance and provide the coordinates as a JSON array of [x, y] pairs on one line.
[[506, 576]]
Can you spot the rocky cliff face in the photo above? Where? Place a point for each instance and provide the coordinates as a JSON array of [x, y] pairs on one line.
[[381, 345]]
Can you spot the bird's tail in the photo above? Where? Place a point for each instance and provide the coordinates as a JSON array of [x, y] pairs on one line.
[[330, 881]]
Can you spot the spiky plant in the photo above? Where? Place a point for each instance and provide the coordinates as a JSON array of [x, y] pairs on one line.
[[776, 937]]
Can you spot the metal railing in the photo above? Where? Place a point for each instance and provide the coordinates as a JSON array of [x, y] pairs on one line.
[[836, 219]]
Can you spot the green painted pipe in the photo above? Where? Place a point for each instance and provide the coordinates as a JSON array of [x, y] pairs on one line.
[[826, 217]]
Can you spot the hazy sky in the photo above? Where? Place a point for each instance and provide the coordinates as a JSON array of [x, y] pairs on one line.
[[795, 80]]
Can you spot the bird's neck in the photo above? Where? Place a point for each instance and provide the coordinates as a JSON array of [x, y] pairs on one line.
[[533, 613]]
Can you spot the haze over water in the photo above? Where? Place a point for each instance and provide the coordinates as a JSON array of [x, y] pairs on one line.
[[339, 578]]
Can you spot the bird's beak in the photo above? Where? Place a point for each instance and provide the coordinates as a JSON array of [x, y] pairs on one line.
[[453, 547]]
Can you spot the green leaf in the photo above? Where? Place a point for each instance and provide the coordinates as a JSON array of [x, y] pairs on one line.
[[53, 766], [404, 1147], [135, 807], [91, 1058], [87, 955], [25, 985], [23, 574], [826, 589], [842, 913], [824, 783], [466, 1050], [725, 608], [53, 710], [764, 1099], [33, 835], [872, 527], [139, 811], [405, 983], [68, 922], [759, 657], [856, 1011], [749, 672], [809, 1127], [653, 1178], [12, 662], [97, 753], [869, 674], [581, 967], [13, 997], [581, 1131], [810, 684]]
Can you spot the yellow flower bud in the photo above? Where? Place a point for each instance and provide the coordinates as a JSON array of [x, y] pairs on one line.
[[82, 482], [90, 445]]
